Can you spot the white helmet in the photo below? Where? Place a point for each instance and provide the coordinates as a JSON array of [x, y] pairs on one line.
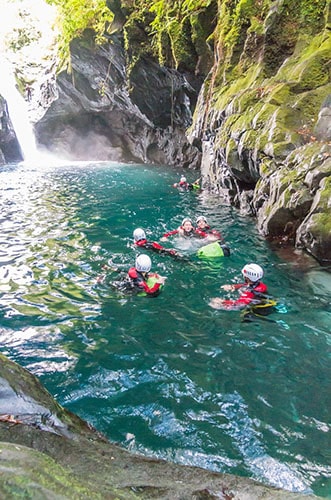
[[143, 263], [139, 234], [186, 219], [201, 217], [253, 272], [183, 179]]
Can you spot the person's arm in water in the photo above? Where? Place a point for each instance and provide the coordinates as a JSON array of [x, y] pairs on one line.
[[250, 294], [156, 247], [170, 233], [109, 267], [199, 233], [232, 287]]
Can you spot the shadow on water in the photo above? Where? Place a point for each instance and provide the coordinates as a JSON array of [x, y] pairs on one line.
[[169, 376]]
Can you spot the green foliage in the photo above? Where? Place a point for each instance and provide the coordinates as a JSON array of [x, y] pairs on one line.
[[24, 33], [78, 15], [311, 12], [172, 19], [244, 15]]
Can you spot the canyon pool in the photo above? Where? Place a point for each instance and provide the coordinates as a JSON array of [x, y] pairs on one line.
[[169, 376]]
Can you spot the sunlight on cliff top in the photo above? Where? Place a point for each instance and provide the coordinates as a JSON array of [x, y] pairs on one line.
[[28, 34]]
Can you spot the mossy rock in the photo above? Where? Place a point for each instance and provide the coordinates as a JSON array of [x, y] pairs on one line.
[[315, 231], [246, 99], [84, 465], [315, 175], [263, 114], [309, 67], [320, 225], [27, 473], [249, 140], [324, 199], [308, 103], [315, 72], [182, 47], [277, 94], [231, 152], [267, 167], [225, 93], [224, 133], [280, 150]]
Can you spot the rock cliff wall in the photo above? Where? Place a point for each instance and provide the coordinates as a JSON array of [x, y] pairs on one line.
[[263, 119], [10, 150], [101, 114]]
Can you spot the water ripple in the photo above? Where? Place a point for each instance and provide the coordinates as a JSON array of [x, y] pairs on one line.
[[169, 377]]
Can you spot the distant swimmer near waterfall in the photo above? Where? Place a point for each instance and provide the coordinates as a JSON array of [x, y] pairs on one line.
[[183, 185], [28, 93]]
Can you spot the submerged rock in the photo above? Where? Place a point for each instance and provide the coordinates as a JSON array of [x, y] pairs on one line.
[[47, 452]]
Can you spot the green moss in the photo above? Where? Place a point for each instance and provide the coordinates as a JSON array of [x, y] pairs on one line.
[[315, 71], [325, 196], [321, 224], [231, 152], [307, 51], [246, 99], [277, 94], [249, 139], [282, 149], [267, 166], [307, 103], [312, 13], [225, 93], [257, 26], [77, 17], [185, 26], [263, 114]]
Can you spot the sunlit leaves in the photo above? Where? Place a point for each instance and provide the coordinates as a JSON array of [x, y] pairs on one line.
[[78, 15]]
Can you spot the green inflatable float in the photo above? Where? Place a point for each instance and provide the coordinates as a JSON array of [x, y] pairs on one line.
[[151, 280], [212, 250]]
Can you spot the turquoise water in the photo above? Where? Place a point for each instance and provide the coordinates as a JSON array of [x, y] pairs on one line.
[[169, 376]]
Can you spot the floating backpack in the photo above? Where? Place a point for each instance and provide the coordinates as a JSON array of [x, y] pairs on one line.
[[215, 249]]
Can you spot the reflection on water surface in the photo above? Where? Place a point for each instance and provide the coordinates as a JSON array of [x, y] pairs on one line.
[[168, 377]]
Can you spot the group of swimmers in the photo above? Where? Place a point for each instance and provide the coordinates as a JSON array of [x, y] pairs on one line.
[[140, 279]]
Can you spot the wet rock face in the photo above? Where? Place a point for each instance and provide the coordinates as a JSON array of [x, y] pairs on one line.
[[101, 114], [9, 147], [323, 125], [266, 139]]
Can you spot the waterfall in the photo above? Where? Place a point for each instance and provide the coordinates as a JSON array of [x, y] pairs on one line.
[[18, 112]]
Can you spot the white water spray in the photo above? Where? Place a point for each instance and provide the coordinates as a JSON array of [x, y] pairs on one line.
[[18, 112]]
